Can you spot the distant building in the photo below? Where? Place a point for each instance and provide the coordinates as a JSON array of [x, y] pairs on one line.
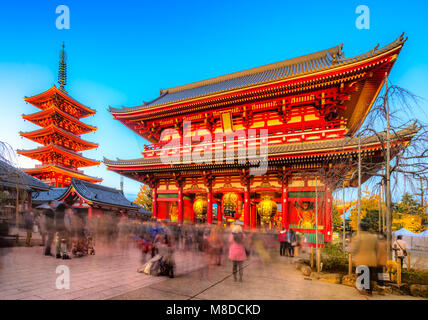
[[16, 188], [90, 199], [60, 154]]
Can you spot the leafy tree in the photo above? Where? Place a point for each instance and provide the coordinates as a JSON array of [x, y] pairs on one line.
[[337, 220], [406, 214], [369, 211], [145, 197], [409, 214], [408, 205], [372, 219]]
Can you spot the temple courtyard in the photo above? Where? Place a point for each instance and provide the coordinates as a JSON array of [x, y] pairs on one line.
[[112, 274]]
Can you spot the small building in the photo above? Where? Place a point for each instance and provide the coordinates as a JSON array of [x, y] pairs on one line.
[[90, 199], [16, 189]]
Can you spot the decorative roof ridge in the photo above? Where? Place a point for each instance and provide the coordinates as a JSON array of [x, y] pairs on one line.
[[98, 186], [63, 168], [61, 93], [52, 126], [327, 53], [53, 145], [65, 114], [332, 59], [397, 42], [79, 184]]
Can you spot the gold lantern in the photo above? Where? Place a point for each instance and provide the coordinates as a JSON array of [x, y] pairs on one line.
[[267, 208], [232, 206], [200, 206]]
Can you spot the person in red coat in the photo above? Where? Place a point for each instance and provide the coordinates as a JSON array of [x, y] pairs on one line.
[[282, 237]]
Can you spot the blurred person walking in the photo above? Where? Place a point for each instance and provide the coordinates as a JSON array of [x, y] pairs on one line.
[[68, 223], [292, 242], [364, 248], [381, 256], [29, 224], [237, 251], [41, 223], [282, 237], [49, 214], [216, 244], [400, 249], [60, 228]]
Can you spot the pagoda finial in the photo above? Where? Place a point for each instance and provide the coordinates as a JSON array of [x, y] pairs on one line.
[[62, 69]]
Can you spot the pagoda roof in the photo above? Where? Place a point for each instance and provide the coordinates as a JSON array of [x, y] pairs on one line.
[[89, 192], [57, 149], [12, 177], [52, 129], [55, 110], [308, 65], [36, 100], [304, 150], [58, 169]]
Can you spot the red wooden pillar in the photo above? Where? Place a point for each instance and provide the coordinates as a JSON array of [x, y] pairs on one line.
[[90, 213], [210, 206], [247, 207], [328, 228], [219, 215], [253, 216], [180, 205], [155, 203], [284, 203]]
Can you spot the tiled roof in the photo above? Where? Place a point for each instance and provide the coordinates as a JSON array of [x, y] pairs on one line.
[[307, 64], [45, 196], [102, 194], [89, 191], [290, 148], [11, 177]]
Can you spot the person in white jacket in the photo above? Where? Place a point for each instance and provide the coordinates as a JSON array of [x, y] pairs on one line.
[[400, 249]]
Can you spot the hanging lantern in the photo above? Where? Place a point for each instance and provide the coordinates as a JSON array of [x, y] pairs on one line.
[[232, 206], [267, 208], [200, 206]]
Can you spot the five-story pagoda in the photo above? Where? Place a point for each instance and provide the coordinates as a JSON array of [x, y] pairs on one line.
[[60, 115]]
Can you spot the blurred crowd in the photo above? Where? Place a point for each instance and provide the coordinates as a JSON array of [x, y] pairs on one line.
[[68, 232]]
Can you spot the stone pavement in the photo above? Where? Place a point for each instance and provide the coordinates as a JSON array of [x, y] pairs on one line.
[[278, 280], [25, 273], [111, 274]]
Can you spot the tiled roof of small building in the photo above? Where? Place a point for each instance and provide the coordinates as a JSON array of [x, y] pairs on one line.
[[46, 196], [12, 177], [89, 191], [98, 193]]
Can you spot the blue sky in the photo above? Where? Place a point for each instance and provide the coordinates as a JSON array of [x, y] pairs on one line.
[[120, 53]]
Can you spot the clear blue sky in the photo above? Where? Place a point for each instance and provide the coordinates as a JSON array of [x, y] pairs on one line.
[[123, 52]]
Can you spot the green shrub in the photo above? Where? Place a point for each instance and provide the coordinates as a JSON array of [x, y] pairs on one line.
[[334, 258]]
